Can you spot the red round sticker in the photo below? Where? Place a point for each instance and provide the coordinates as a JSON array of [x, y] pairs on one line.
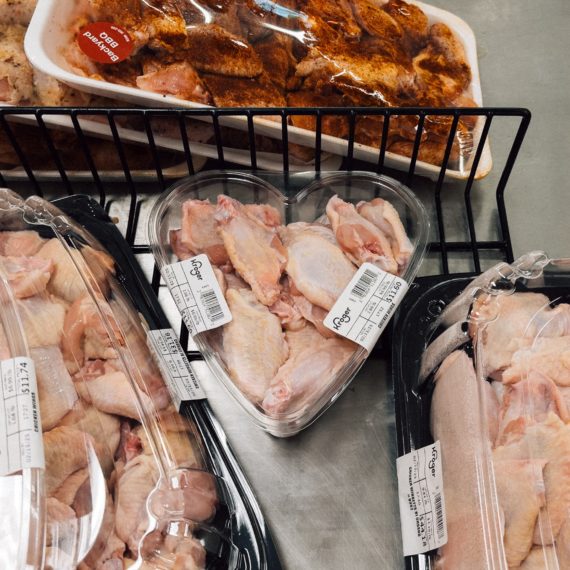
[[105, 42]]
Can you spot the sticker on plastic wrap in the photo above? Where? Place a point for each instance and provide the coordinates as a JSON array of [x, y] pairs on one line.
[[422, 504], [366, 305], [176, 370], [105, 42], [197, 294], [21, 444]]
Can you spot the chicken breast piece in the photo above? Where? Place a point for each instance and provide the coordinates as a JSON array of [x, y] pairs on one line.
[[456, 423], [28, 276], [316, 265], [376, 21], [385, 217], [24, 243], [55, 387], [310, 369], [361, 240], [65, 453], [253, 326], [255, 250], [16, 83], [520, 489], [198, 233]]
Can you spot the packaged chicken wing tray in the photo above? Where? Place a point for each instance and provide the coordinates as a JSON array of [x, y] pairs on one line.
[[286, 297], [98, 468], [482, 400], [286, 53]]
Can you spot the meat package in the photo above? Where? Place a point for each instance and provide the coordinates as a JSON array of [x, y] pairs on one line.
[[288, 53], [99, 468], [487, 374], [281, 264]]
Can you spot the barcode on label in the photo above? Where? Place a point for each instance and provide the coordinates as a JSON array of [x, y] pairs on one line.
[[209, 301], [363, 285], [439, 516]]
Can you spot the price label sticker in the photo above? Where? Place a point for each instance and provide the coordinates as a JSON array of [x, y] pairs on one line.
[[174, 366], [367, 304], [21, 443], [197, 294], [422, 503]]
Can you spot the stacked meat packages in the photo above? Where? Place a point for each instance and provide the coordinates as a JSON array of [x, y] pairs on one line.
[[122, 477], [281, 280], [503, 426]]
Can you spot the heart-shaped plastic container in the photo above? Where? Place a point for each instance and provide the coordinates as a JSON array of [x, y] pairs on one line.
[[307, 205]]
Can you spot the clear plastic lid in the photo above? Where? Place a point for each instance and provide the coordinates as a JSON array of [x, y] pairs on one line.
[[276, 357], [500, 411], [127, 480]]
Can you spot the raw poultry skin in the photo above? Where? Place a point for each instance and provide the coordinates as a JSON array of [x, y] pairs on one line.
[[456, 423], [198, 233], [548, 356], [253, 326], [520, 489], [316, 265], [311, 364], [385, 217], [360, 239], [55, 387], [27, 276], [255, 250]]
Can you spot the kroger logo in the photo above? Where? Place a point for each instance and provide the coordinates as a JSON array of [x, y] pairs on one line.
[[196, 269], [339, 321]]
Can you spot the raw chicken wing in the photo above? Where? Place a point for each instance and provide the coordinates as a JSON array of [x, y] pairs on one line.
[[316, 265], [256, 252], [520, 490], [198, 233], [385, 217], [361, 240], [308, 370], [253, 345]]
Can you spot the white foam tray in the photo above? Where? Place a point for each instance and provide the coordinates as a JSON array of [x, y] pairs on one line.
[[50, 31]]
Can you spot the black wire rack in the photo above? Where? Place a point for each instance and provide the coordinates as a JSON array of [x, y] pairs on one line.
[[52, 176]]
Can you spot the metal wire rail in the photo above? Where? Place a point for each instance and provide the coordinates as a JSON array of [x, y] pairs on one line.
[[44, 119]]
